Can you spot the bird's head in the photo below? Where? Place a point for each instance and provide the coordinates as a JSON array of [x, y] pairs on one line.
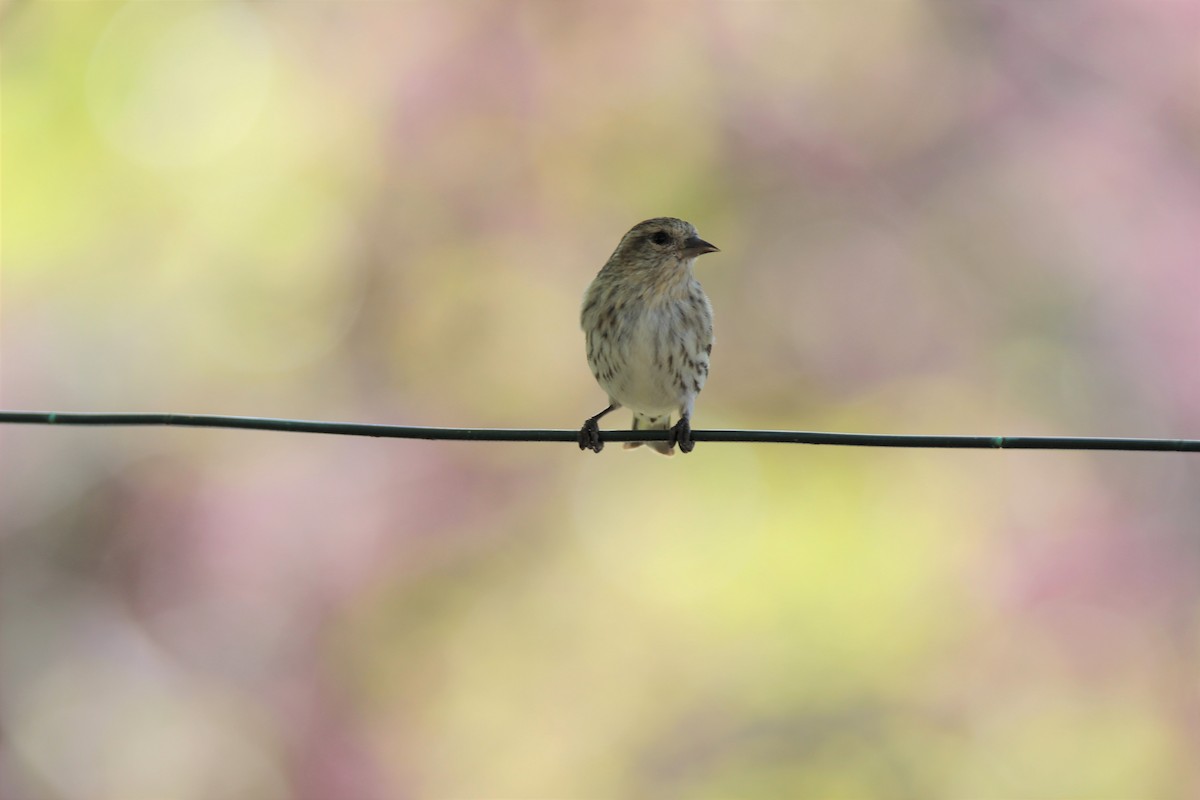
[[660, 242]]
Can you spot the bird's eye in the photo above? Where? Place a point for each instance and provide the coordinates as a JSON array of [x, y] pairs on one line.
[[660, 237]]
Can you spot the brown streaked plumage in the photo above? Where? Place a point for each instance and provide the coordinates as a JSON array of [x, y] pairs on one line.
[[649, 331]]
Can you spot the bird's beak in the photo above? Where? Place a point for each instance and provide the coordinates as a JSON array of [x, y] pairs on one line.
[[695, 246]]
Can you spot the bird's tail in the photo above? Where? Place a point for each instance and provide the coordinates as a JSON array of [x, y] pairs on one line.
[[645, 422]]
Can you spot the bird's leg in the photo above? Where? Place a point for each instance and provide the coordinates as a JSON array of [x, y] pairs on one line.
[[589, 434], [681, 434]]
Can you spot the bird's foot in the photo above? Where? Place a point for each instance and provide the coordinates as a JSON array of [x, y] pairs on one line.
[[589, 436], [681, 434]]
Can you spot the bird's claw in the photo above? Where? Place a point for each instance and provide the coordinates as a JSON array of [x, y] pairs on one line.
[[589, 437], [681, 434]]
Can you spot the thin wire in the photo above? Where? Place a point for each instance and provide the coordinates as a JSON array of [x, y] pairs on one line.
[[541, 435]]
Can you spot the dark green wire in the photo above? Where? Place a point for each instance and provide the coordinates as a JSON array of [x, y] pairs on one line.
[[541, 435]]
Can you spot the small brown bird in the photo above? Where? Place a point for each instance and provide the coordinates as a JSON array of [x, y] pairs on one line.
[[649, 329]]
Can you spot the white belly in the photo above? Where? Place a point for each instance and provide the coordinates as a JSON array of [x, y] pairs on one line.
[[653, 376]]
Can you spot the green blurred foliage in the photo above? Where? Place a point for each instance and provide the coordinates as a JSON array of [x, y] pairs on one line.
[[967, 217]]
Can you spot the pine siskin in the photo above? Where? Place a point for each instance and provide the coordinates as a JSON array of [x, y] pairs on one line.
[[649, 331]]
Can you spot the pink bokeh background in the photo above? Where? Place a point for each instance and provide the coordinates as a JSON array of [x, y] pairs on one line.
[[970, 217]]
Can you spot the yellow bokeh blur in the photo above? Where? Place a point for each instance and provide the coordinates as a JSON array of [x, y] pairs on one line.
[[963, 217]]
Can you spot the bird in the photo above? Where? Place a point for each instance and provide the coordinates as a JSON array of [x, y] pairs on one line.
[[649, 332]]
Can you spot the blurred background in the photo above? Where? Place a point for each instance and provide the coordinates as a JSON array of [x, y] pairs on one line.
[[971, 217]]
